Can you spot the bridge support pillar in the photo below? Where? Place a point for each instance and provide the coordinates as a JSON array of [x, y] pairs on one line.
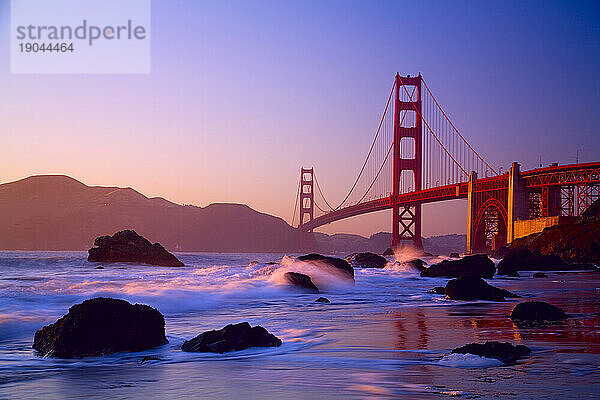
[[471, 213], [307, 207], [518, 200], [406, 220]]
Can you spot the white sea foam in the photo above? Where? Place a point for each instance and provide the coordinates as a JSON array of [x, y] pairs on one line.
[[468, 361]]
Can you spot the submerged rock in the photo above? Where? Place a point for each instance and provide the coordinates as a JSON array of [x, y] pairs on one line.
[[301, 282], [417, 264], [478, 265], [128, 246], [524, 260], [233, 337], [437, 290], [537, 311], [322, 300], [336, 264], [505, 352], [475, 288], [102, 326], [366, 260], [454, 255]]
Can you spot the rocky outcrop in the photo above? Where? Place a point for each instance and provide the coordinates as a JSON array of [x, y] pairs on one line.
[[102, 326], [300, 282], [454, 255], [437, 290], [416, 264], [574, 243], [388, 252], [478, 265], [128, 246], [331, 263], [231, 338], [537, 311], [475, 288], [524, 260], [322, 300], [366, 260], [505, 352]]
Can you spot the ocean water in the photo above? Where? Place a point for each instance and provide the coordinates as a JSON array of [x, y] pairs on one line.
[[385, 336]]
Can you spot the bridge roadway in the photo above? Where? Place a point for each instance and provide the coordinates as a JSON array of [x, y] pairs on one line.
[[563, 175]]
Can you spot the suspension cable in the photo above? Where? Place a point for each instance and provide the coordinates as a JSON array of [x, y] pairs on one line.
[[427, 124], [370, 150], [296, 204], [378, 172], [319, 188], [456, 130]]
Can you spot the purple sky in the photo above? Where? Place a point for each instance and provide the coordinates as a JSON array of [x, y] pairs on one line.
[[242, 94]]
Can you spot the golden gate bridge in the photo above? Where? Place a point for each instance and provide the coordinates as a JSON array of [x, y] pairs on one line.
[[418, 156]]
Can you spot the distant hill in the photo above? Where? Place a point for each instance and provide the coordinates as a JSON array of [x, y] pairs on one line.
[[343, 243], [56, 212]]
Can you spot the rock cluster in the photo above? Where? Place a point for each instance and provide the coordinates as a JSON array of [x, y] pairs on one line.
[[301, 282], [505, 352], [474, 288], [537, 311], [233, 337], [478, 265], [128, 246], [366, 260], [102, 326]]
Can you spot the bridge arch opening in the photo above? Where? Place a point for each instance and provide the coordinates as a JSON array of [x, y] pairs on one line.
[[490, 226]]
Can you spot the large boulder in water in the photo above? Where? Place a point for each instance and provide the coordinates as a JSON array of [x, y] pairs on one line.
[[537, 311], [335, 264], [366, 260], [505, 352], [300, 282], [231, 338], [478, 265], [102, 326], [475, 288], [128, 246], [524, 260]]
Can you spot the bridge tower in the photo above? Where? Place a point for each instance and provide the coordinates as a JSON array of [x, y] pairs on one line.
[[406, 221], [307, 206]]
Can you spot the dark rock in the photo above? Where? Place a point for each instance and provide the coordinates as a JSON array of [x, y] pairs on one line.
[[128, 246], [500, 252], [149, 358], [524, 260], [366, 260], [231, 338], [336, 264], [388, 252], [454, 255], [474, 288], [505, 352], [301, 282], [537, 311], [437, 290], [102, 326], [322, 300], [99, 267], [540, 275], [417, 264], [478, 265]]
